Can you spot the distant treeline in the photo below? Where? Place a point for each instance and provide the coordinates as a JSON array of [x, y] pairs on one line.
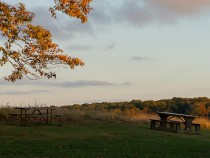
[[196, 106]]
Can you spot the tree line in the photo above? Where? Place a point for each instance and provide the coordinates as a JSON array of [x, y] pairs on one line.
[[199, 106]]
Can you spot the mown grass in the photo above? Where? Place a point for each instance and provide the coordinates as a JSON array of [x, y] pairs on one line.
[[100, 139], [101, 133]]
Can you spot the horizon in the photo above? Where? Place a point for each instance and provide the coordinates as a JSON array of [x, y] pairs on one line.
[[37, 104]]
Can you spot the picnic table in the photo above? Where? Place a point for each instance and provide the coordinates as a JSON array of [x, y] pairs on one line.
[[35, 115], [174, 120]]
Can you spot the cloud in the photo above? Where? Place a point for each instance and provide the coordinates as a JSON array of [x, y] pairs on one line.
[[139, 58], [181, 6], [126, 84], [62, 28], [79, 83], [142, 12], [41, 91], [132, 12], [14, 92], [85, 84], [110, 47], [91, 83], [79, 47], [17, 92]]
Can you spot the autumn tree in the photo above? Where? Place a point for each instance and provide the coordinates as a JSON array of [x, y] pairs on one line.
[[200, 109], [29, 49]]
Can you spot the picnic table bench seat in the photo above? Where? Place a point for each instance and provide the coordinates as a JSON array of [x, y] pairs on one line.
[[37, 115], [52, 118], [173, 125], [196, 127]]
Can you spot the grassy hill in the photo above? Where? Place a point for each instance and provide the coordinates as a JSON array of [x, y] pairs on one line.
[[100, 139], [107, 130]]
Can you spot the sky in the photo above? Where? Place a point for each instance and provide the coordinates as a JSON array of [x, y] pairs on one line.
[[145, 49]]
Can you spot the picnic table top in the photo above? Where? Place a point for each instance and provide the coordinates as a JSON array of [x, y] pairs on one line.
[[40, 108], [175, 114]]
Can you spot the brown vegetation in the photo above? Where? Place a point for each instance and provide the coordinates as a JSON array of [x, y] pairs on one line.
[[127, 112]]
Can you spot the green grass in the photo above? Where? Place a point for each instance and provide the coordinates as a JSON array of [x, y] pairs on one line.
[[99, 139]]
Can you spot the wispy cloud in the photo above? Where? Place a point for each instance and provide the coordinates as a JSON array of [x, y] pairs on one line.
[[91, 83], [131, 12], [79, 83], [142, 12], [61, 28], [79, 47], [17, 92], [140, 58], [126, 84], [14, 92], [85, 84], [181, 6], [110, 47]]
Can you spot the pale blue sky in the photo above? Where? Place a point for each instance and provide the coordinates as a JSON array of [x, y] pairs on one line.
[[146, 49]]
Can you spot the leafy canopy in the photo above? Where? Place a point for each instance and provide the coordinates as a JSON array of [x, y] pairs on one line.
[[29, 49]]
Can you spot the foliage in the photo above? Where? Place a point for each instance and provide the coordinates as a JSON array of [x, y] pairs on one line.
[[29, 49], [197, 106], [135, 111], [72, 8], [4, 112]]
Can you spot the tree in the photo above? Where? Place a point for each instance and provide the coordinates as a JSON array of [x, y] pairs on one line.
[[29, 49], [200, 109]]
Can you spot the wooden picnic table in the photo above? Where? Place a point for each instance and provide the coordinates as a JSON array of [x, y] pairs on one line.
[[168, 118], [26, 115]]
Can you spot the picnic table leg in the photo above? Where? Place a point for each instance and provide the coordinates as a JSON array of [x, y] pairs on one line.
[[21, 117], [153, 122], [25, 118], [47, 116], [188, 123], [163, 119], [51, 115]]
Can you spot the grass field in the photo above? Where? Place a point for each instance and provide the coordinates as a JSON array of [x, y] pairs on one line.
[[100, 139]]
